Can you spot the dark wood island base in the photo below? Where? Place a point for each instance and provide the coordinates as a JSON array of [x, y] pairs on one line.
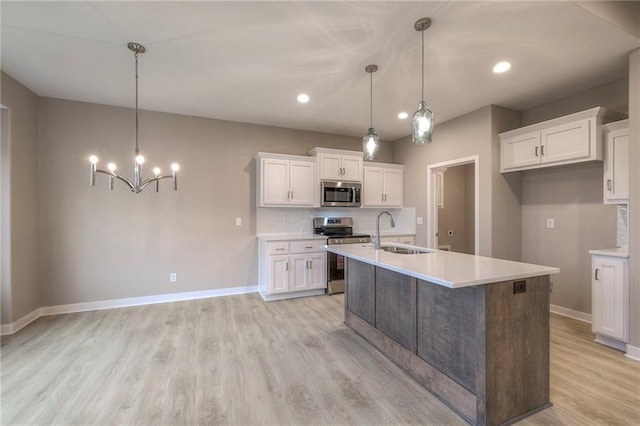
[[483, 350]]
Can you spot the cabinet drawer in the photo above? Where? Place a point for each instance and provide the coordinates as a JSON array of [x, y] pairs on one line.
[[278, 247], [306, 246]]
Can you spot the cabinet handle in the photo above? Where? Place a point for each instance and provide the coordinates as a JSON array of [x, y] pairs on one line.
[[311, 264], [292, 195], [280, 249], [381, 197], [308, 247], [542, 150], [597, 278], [536, 151], [385, 197], [609, 184]]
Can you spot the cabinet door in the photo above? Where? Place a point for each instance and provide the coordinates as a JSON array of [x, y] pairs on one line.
[[352, 168], [373, 186], [616, 167], [317, 270], [609, 296], [302, 183], [275, 182], [566, 142], [299, 272], [393, 188], [279, 274], [330, 166], [520, 151]]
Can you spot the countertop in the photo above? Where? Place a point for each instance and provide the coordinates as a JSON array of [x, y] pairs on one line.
[[615, 252], [290, 237], [449, 269]]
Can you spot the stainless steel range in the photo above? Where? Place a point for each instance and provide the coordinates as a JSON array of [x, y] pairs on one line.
[[338, 230]]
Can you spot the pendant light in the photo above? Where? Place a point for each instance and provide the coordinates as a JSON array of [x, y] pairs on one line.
[[138, 185], [423, 119], [371, 141]]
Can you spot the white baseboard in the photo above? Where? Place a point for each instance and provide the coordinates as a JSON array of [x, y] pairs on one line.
[[121, 303], [633, 352], [566, 312], [7, 329]]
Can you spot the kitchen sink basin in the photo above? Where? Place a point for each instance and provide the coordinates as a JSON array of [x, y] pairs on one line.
[[403, 250]]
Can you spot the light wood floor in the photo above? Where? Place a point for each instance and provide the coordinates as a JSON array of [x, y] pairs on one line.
[[240, 361]]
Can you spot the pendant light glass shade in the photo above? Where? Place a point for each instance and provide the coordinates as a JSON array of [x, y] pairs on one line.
[[371, 141], [370, 145], [422, 124], [423, 119]]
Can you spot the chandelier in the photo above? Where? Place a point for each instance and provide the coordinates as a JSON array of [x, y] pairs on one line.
[[138, 185], [423, 119]]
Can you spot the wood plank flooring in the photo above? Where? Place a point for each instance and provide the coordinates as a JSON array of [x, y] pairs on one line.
[[240, 361]]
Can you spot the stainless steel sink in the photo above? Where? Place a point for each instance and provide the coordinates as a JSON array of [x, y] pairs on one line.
[[402, 250]]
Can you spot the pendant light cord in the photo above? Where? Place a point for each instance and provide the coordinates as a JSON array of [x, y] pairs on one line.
[[423, 64], [371, 102], [137, 148]]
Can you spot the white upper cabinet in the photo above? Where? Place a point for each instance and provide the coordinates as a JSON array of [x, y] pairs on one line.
[[570, 139], [616, 162], [285, 180], [336, 164], [383, 185]]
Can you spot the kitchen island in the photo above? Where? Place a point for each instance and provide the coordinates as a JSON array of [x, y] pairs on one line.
[[472, 330]]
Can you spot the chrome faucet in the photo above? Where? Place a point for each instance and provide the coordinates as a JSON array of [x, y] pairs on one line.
[[393, 225]]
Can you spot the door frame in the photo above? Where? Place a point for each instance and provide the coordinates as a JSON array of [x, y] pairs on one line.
[[432, 205]]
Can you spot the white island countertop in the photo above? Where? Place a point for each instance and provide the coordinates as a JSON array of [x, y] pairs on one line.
[[449, 269]]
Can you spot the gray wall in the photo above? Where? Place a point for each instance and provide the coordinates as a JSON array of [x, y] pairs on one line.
[[572, 195], [20, 288], [99, 245], [458, 211]]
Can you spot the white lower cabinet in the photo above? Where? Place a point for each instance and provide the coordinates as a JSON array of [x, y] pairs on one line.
[[292, 268], [610, 292]]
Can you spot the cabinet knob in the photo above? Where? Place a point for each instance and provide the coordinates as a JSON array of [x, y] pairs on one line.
[[596, 277]]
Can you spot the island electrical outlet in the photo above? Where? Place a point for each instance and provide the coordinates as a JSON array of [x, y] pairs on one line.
[[173, 277], [519, 287]]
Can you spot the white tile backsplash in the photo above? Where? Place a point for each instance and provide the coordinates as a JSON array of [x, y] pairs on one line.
[[273, 220], [622, 239]]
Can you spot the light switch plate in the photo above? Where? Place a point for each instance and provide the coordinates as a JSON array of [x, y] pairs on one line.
[[238, 221], [551, 223], [419, 220]]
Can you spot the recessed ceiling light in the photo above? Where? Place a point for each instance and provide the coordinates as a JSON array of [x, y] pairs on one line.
[[302, 98], [501, 67], [403, 115]]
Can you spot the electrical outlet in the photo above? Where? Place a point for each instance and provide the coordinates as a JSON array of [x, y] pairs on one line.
[[285, 220], [419, 220], [519, 287], [173, 277], [238, 221], [551, 223]]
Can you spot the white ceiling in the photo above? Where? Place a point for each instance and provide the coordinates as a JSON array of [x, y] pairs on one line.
[[247, 61]]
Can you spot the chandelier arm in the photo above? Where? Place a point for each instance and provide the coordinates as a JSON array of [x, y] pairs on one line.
[[144, 184], [137, 147], [422, 82], [124, 179]]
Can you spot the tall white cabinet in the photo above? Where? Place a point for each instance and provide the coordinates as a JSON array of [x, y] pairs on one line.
[[616, 162], [382, 185], [286, 181], [609, 294]]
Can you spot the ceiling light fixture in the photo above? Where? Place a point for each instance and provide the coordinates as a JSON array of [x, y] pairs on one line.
[[303, 98], [501, 67], [423, 119], [371, 141], [138, 185], [403, 115]]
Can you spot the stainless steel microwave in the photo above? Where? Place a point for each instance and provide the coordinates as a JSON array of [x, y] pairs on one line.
[[340, 194]]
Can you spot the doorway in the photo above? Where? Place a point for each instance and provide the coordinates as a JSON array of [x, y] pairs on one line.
[[453, 205]]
